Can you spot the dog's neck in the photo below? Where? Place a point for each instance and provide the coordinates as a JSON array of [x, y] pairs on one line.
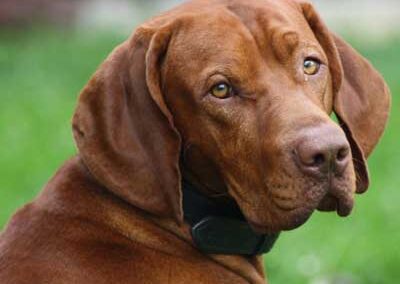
[[160, 234]]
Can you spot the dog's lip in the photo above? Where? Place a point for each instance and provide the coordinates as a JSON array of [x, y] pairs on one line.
[[328, 203], [342, 205]]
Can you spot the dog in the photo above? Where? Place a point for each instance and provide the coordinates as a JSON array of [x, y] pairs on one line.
[[200, 138]]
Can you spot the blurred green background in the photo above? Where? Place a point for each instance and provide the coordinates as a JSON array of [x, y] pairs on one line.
[[42, 70]]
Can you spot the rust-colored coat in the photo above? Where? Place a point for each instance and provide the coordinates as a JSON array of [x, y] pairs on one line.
[[113, 214]]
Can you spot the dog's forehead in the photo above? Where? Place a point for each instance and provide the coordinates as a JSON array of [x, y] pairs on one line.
[[268, 23], [272, 20]]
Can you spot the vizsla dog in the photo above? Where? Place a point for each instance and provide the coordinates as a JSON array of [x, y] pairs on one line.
[[200, 138]]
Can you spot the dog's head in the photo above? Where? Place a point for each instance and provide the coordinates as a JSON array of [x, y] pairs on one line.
[[237, 97]]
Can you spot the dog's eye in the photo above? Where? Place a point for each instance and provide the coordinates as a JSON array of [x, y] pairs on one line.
[[311, 66], [221, 91]]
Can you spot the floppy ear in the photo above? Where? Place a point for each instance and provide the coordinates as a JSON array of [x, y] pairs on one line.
[[361, 96], [125, 132]]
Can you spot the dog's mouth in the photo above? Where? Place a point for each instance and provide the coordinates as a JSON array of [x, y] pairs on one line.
[[273, 218], [284, 214], [342, 204]]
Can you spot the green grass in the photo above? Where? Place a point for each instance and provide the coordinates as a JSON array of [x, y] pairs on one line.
[[41, 74]]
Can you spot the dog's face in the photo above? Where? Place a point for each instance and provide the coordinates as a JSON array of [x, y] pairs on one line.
[[237, 97], [251, 94]]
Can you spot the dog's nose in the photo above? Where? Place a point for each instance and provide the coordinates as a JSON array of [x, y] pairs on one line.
[[323, 150]]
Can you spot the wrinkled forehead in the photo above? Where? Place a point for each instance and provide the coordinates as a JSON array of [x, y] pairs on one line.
[[243, 30], [277, 26]]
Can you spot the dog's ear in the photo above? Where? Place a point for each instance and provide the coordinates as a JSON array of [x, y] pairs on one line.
[[361, 96], [124, 131]]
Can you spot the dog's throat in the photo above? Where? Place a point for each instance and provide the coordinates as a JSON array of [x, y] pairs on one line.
[[221, 228]]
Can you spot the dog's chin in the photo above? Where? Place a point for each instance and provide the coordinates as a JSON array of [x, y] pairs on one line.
[[277, 219], [287, 221]]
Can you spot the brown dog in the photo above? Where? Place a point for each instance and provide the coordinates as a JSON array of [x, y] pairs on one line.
[[233, 96]]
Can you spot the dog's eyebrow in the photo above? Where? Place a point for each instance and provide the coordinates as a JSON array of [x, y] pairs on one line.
[[283, 43]]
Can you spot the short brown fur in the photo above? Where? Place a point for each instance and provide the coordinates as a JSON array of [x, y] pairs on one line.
[[113, 213]]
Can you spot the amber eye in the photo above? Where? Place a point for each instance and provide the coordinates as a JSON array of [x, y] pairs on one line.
[[221, 91], [311, 66]]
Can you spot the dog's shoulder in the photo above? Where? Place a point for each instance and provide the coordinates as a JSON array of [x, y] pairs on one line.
[[56, 238], [76, 231]]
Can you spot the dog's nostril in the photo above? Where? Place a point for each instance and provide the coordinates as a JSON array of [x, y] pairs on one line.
[[318, 160], [342, 154]]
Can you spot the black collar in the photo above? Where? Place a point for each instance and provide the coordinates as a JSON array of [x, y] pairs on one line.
[[220, 229]]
